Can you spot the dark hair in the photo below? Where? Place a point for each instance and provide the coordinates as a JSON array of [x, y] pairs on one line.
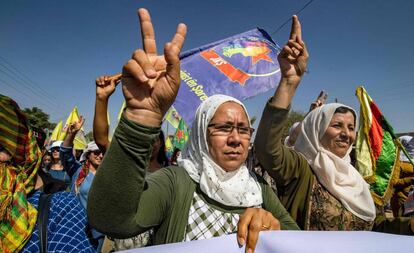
[[47, 167], [162, 157], [50, 184], [175, 156], [344, 109]]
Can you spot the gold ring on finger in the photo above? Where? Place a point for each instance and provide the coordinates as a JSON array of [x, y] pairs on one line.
[[264, 227]]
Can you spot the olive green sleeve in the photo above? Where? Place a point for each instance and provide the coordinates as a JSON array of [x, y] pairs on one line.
[[121, 203], [282, 164], [272, 204]]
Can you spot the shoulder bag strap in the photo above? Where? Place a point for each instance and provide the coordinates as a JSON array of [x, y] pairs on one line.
[[43, 217]]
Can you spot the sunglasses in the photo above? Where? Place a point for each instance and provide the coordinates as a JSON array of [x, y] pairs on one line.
[[96, 152]]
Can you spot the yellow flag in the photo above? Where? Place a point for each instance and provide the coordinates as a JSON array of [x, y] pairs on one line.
[[173, 117], [121, 111], [73, 117], [107, 118], [56, 132], [80, 140]]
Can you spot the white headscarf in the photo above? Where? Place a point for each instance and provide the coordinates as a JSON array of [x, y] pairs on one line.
[[408, 144], [236, 188], [291, 135], [89, 148], [336, 174]]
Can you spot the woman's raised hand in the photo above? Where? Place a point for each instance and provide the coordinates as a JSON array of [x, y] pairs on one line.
[[293, 58], [150, 82], [293, 62]]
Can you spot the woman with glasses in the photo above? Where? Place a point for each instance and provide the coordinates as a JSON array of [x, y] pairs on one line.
[[210, 193]]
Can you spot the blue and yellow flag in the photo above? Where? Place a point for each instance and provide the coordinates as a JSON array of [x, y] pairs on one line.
[[241, 66]]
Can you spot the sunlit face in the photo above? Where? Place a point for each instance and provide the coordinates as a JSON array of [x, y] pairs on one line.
[[47, 159], [55, 153], [229, 149], [340, 134], [95, 158]]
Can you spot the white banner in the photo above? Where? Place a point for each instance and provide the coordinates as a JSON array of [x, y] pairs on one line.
[[296, 241]]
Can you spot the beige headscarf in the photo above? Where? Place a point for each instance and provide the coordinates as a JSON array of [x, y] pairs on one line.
[[336, 174], [237, 188]]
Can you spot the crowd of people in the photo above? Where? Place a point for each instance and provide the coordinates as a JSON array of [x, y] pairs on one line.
[[125, 193]]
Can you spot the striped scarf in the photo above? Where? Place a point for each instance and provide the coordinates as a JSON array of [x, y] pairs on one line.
[[17, 177]]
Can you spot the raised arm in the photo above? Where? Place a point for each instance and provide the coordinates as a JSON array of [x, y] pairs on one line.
[[150, 82], [281, 163], [121, 202], [293, 60], [105, 86], [70, 165]]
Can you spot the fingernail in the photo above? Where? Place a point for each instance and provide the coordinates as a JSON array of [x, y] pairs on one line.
[[249, 250], [143, 78], [241, 242], [152, 72]]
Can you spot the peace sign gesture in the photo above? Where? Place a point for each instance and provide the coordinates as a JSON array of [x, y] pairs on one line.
[[294, 56], [150, 82]]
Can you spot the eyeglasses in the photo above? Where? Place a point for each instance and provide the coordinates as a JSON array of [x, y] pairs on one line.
[[227, 129], [96, 152], [54, 149]]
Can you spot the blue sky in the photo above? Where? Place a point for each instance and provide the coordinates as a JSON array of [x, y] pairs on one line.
[[62, 46]]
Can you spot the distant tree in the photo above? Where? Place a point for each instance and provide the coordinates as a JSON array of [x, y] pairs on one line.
[[252, 120], [38, 118], [294, 116], [89, 136]]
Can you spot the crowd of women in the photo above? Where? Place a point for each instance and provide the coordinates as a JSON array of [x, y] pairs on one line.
[[132, 200]]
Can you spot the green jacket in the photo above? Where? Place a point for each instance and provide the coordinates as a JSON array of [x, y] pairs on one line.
[[293, 175], [123, 202]]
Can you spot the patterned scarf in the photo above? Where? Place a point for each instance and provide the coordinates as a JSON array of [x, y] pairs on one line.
[[82, 175], [17, 177], [335, 173]]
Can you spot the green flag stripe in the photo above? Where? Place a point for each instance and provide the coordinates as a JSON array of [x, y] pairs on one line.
[[385, 164]]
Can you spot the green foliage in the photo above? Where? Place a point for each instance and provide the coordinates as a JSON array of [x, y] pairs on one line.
[[252, 120], [294, 116], [89, 137], [38, 118]]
